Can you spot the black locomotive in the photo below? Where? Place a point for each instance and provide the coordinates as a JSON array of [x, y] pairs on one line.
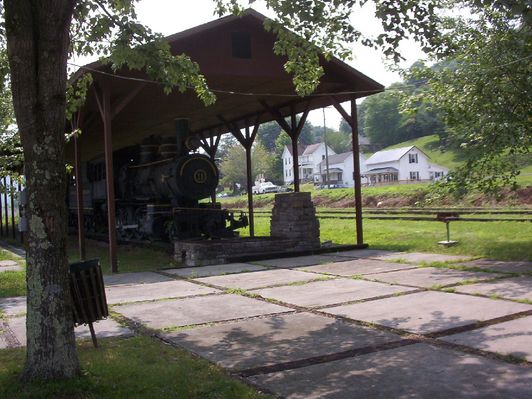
[[159, 186]]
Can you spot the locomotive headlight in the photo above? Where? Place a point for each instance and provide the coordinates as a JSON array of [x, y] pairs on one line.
[[200, 176]]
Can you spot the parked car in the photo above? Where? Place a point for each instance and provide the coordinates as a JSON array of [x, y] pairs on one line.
[[265, 187]]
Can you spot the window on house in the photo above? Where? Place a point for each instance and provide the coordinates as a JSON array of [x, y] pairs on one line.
[[241, 44], [414, 175], [322, 157], [412, 158]]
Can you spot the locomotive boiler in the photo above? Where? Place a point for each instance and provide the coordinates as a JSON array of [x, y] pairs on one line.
[[161, 186]]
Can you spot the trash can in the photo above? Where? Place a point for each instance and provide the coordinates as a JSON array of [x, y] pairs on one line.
[[88, 294]]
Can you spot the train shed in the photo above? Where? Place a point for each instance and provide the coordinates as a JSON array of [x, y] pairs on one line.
[[235, 54]]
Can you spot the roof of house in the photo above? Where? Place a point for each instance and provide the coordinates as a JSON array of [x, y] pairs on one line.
[[311, 148], [337, 158], [300, 149], [388, 155]]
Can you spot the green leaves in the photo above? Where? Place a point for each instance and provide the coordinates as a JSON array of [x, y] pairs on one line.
[[109, 28], [484, 96]]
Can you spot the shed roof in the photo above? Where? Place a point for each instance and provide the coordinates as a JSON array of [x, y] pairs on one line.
[[242, 87]]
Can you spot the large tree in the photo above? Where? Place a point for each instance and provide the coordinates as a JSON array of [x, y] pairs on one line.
[[40, 35]]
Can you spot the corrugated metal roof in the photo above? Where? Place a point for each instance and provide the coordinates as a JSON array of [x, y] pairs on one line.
[[388, 155]]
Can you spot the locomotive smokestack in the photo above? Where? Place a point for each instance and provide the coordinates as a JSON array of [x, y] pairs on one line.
[[182, 130]]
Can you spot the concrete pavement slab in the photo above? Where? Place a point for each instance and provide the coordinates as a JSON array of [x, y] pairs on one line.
[[11, 269], [364, 253], [429, 311], [197, 310], [500, 266], [414, 371], [258, 279], [215, 270], [147, 292], [513, 337], [421, 257], [322, 293], [276, 339], [430, 276], [9, 266], [17, 330], [357, 267], [511, 288], [288, 263], [135, 278], [6, 263], [14, 306]]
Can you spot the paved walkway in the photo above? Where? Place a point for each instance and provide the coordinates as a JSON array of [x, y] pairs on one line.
[[356, 324]]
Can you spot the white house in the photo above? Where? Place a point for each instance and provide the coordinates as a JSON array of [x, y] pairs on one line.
[[341, 169], [401, 165], [309, 159]]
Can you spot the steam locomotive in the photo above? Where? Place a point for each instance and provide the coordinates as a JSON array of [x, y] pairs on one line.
[[159, 186]]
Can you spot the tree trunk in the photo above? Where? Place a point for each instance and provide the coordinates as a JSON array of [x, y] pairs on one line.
[[38, 40]]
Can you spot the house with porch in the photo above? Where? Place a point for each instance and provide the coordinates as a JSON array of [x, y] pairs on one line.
[[340, 171], [310, 157], [402, 165]]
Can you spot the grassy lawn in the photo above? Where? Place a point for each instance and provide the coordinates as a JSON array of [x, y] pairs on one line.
[[130, 258], [137, 367], [12, 283], [495, 240]]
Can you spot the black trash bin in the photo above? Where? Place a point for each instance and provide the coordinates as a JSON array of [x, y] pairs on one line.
[[88, 294]]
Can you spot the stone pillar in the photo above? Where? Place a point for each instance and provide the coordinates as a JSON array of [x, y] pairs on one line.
[[294, 218]]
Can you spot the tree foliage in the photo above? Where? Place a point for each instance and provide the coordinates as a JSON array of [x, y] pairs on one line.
[[232, 165], [483, 93]]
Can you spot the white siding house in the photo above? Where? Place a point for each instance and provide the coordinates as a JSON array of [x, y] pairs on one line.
[[341, 169], [401, 165], [309, 159]]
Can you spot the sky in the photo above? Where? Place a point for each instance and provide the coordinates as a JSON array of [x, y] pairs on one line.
[[171, 16]]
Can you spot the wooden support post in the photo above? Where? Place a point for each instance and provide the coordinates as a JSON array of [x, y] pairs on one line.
[[12, 198], [356, 172], [19, 215], [6, 211], [109, 177], [249, 184], [79, 198], [293, 130], [246, 142]]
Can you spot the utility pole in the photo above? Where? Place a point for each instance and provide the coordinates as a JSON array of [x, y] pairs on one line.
[[326, 150]]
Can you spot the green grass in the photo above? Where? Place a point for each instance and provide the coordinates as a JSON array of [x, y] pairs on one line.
[[12, 283], [130, 258], [494, 240], [138, 367], [525, 178]]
